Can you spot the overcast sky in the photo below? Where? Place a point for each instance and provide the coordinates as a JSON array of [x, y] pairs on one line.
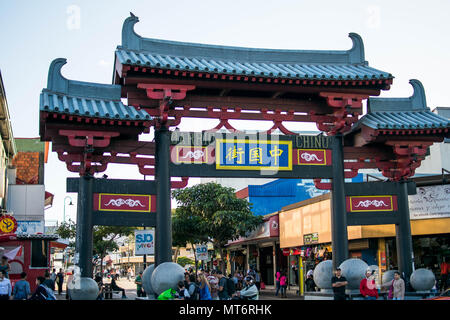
[[408, 39]]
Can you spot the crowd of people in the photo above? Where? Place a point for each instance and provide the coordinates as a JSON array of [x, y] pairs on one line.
[[214, 285], [45, 290]]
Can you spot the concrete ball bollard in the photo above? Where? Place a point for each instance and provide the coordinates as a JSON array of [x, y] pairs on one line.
[[83, 289], [422, 279], [166, 276], [147, 279], [323, 273], [354, 270], [388, 276]]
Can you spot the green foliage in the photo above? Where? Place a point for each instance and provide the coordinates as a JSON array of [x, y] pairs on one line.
[[103, 238], [182, 261], [211, 212]]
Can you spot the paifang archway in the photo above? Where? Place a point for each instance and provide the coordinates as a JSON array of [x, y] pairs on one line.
[[167, 81]]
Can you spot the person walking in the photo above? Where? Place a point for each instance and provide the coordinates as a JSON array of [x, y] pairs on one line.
[[60, 280], [22, 288], [258, 279], [368, 288], [205, 289], [283, 284], [223, 288], [53, 276], [5, 286], [138, 282], [213, 285], [4, 266], [396, 287], [339, 282], [277, 282], [445, 266]]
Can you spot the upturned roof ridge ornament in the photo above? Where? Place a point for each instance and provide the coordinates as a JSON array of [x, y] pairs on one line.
[[132, 41], [56, 82], [416, 102]]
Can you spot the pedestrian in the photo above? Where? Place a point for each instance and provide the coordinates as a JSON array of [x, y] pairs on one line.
[[339, 282], [22, 288], [283, 284], [182, 292], [4, 265], [223, 288], [205, 289], [99, 279], [115, 287], [295, 271], [277, 282], [5, 286], [49, 283], [258, 279], [129, 273], [309, 282], [41, 292], [249, 292], [368, 288], [192, 287], [69, 279], [445, 266], [214, 285], [138, 281], [396, 287], [53, 276], [60, 280]]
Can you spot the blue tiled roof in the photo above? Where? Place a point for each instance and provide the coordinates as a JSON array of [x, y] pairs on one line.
[[402, 113], [292, 64], [84, 98]]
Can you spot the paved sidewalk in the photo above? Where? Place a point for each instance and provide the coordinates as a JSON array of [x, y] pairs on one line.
[[130, 290]]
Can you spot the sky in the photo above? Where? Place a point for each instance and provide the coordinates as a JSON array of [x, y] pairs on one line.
[[408, 39]]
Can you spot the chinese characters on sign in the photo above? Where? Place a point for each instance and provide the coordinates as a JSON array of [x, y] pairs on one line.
[[253, 154]]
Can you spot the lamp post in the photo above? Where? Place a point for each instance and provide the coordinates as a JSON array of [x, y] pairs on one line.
[[70, 204]]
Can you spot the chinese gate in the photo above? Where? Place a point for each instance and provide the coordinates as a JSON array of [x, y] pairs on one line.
[[165, 82]]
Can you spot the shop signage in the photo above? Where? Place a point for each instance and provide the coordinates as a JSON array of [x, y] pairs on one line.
[[430, 202], [371, 203], [8, 224], [124, 202], [201, 252], [30, 227], [311, 238], [144, 242]]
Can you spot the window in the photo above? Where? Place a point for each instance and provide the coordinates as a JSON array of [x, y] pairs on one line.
[[39, 252]]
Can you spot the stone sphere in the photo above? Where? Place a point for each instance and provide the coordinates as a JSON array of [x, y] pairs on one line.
[[323, 273], [147, 279], [422, 279], [388, 276], [83, 289], [354, 270], [166, 276]]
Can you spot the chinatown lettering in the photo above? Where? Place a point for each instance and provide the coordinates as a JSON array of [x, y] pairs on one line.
[[312, 142]]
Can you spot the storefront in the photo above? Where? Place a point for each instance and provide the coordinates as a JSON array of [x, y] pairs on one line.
[[259, 251], [306, 227]]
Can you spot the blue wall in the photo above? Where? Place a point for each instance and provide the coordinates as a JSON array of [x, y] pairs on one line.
[[272, 196]]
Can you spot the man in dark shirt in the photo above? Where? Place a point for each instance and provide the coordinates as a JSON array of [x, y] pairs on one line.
[[223, 290], [338, 282]]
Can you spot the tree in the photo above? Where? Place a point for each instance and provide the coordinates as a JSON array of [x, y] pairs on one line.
[[211, 212], [104, 237]]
